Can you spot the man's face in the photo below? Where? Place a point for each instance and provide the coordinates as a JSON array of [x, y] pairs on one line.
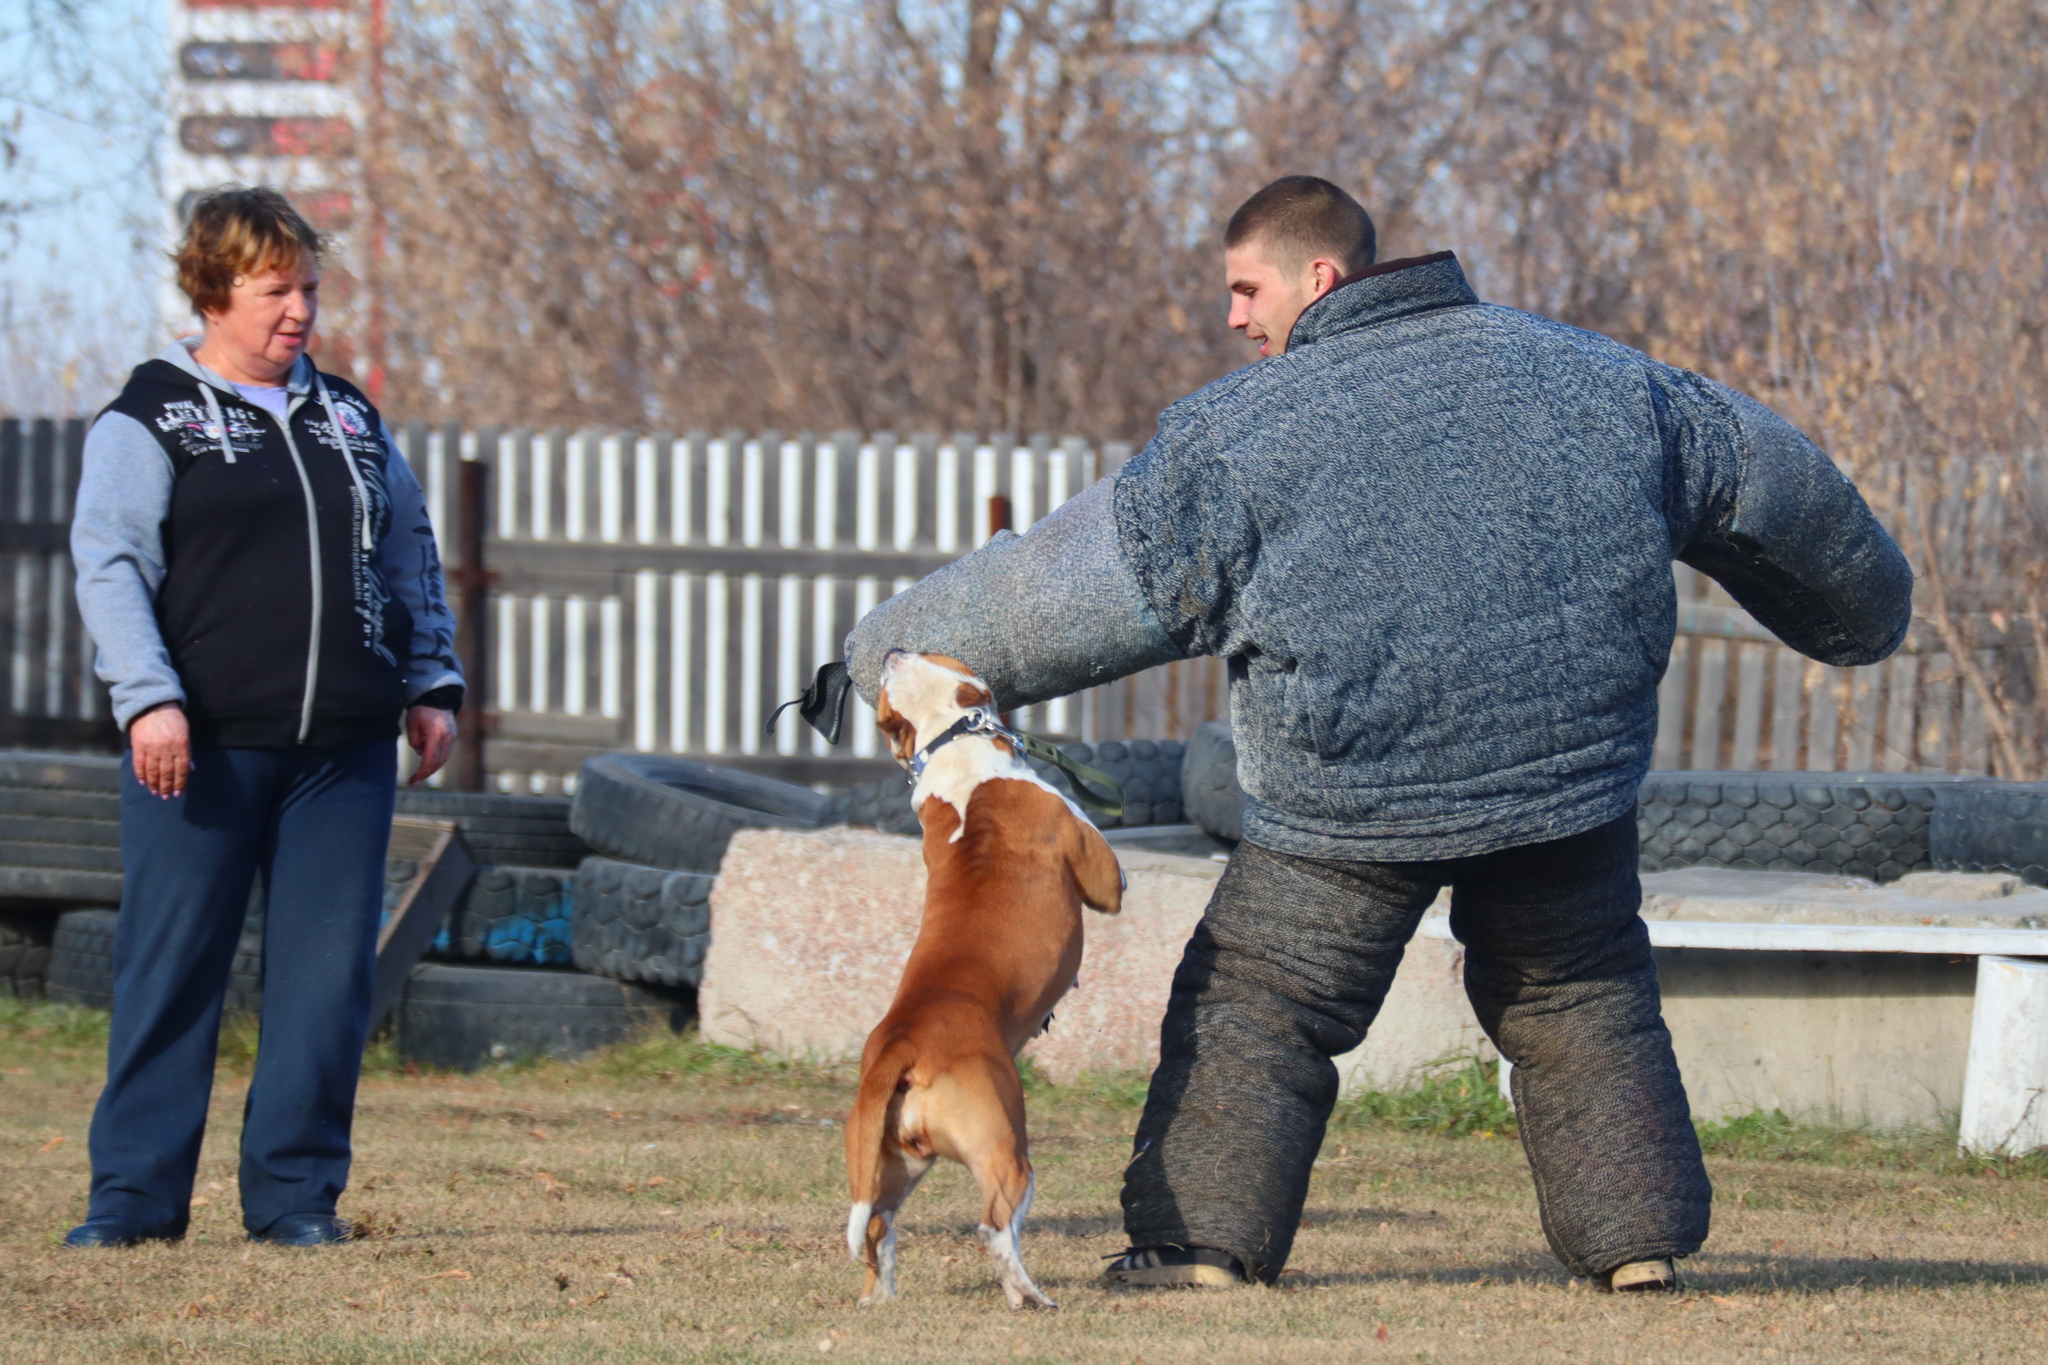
[[1267, 296]]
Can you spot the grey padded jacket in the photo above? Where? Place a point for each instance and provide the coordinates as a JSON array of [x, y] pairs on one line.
[[1433, 542]]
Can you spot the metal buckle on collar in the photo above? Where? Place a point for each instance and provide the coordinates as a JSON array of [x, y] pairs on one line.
[[979, 720]]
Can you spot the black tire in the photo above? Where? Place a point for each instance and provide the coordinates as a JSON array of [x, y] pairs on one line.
[[882, 804], [81, 970], [1992, 827], [61, 772], [512, 915], [519, 831], [245, 978], [637, 923], [25, 952], [82, 959], [1874, 825], [1209, 792], [464, 1017], [60, 828], [670, 812], [1148, 771]]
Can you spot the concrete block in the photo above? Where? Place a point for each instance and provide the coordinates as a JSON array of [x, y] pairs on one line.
[[810, 930], [2005, 1089]]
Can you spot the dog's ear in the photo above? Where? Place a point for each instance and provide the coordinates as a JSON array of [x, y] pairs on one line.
[[967, 694], [900, 733], [1096, 871]]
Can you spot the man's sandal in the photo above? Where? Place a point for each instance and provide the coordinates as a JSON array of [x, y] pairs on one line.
[[1175, 1268]]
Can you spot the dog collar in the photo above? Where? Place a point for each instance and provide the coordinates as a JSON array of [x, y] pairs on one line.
[[980, 720]]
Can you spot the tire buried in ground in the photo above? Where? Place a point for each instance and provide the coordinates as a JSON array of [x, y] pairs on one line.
[[638, 923], [672, 813], [81, 970], [464, 1017], [25, 952], [82, 959]]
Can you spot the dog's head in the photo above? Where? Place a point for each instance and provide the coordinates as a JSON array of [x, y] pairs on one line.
[[921, 695]]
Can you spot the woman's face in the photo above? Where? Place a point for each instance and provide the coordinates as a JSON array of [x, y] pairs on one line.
[[268, 322]]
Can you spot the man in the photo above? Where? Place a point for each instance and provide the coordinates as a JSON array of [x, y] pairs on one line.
[[1432, 538]]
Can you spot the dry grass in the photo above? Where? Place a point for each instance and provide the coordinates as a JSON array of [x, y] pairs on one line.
[[674, 1202]]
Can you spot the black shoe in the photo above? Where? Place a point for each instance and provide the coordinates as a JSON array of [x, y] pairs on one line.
[[305, 1230], [109, 1230], [1176, 1267]]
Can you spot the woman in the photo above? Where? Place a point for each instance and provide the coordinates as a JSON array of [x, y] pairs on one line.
[[256, 568]]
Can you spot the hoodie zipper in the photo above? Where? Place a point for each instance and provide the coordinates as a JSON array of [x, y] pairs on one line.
[[313, 548]]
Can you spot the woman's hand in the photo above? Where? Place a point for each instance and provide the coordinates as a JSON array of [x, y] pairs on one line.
[[160, 745], [431, 732]]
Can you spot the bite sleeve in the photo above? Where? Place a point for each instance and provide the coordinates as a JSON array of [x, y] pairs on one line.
[[1036, 616], [1786, 533]]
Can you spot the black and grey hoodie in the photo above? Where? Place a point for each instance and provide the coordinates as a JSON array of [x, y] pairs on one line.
[[280, 579]]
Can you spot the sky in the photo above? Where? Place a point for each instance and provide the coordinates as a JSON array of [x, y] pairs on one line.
[[79, 259]]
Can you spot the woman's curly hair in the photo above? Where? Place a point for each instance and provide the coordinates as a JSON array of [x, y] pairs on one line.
[[237, 232]]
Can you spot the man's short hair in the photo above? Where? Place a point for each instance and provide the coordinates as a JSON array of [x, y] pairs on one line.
[[237, 232], [1300, 217]]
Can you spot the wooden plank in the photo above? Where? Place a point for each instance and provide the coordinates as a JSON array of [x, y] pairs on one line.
[[1823, 733], [1705, 750], [1860, 720], [1788, 705], [1749, 707], [1900, 752], [1668, 752], [1937, 715], [446, 868], [1973, 733]]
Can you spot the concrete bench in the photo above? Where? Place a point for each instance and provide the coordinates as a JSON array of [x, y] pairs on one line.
[[2006, 1074]]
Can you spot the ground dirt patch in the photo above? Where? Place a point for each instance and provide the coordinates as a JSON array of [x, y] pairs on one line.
[[670, 1202]]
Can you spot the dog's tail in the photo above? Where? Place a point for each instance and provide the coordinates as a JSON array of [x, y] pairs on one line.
[[864, 1135]]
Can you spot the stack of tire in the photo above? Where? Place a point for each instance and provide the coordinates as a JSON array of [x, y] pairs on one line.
[[660, 827], [502, 986], [1150, 773], [1875, 825], [60, 860]]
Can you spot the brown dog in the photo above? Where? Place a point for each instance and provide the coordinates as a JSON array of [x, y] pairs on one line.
[[1009, 862]]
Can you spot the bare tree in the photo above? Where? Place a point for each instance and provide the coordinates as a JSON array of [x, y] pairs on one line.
[[977, 215]]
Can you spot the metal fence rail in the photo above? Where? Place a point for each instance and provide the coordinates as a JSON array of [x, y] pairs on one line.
[[663, 593]]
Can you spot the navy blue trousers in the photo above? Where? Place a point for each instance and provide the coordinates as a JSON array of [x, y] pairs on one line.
[[315, 823]]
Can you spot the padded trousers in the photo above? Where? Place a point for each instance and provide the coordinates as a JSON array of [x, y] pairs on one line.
[[315, 823], [1288, 968]]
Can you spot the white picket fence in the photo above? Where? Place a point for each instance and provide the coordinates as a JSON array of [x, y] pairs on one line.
[[666, 593]]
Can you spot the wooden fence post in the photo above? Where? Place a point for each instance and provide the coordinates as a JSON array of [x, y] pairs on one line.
[[472, 590]]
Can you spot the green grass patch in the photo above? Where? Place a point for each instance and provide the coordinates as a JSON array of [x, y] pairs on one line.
[[1772, 1136], [1462, 1100], [46, 1022]]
